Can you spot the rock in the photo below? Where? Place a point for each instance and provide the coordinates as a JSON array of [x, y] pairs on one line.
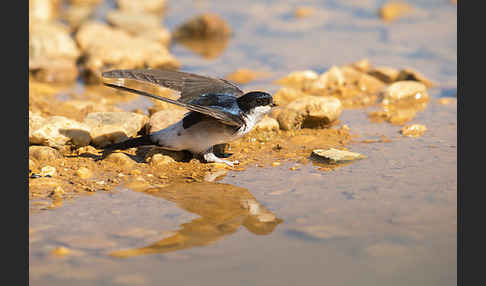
[[310, 112], [409, 74], [76, 15], [108, 47], [331, 78], [164, 118], [298, 79], [414, 130], [336, 156], [43, 153], [385, 74], [84, 2], [35, 121], [142, 5], [57, 131], [48, 171], [393, 10], [159, 160], [139, 23], [303, 11], [207, 48], [286, 95], [362, 65], [203, 26], [114, 127], [244, 76], [52, 52], [43, 10], [31, 164], [84, 173], [405, 90], [120, 159], [267, 123], [61, 251]]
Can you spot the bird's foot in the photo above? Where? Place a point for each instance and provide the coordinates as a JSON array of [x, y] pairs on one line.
[[211, 158]]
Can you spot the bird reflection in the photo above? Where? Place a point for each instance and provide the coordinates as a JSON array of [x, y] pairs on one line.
[[222, 208]]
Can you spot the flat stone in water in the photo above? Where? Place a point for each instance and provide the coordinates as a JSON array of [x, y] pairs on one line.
[[335, 156]]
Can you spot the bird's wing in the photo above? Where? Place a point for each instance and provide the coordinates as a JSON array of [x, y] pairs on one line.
[[229, 118], [191, 86]]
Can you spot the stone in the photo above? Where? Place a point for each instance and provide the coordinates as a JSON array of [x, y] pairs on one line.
[[106, 47], [414, 130], [164, 118], [142, 5], [84, 173], [52, 52], [43, 10], [160, 160], [35, 121], [43, 153], [303, 11], [120, 159], [78, 14], [298, 79], [337, 156], [405, 90], [310, 112], [362, 65], [409, 74], [385, 74], [48, 171], [331, 78], [139, 23], [57, 131], [114, 127], [267, 123], [285, 95], [203, 26], [57, 193], [393, 10], [61, 251]]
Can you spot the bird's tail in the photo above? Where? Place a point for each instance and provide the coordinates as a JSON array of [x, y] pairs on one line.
[[130, 143]]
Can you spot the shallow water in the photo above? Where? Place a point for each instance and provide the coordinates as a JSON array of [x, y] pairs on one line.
[[388, 219]]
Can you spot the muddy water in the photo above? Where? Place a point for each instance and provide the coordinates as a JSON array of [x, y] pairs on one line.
[[387, 219]]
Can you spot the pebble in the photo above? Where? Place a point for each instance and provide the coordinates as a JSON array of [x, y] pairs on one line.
[[84, 173], [335, 156], [203, 26], [57, 193], [61, 251], [401, 90], [267, 123], [106, 46], [303, 11], [275, 164], [298, 79], [310, 112], [52, 52], [160, 160], [285, 95], [120, 159], [114, 127], [414, 130], [151, 6], [409, 74], [57, 131], [164, 118], [48, 171], [385, 74], [392, 10]]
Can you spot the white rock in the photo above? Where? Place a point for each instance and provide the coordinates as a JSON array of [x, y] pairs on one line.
[[58, 130]]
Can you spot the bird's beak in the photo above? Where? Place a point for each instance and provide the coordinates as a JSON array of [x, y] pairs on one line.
[[273, 105]]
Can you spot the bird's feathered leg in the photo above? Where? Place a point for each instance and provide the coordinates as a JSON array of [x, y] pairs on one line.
[[209, 157]]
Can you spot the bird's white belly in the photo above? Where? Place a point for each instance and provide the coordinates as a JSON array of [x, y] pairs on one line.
[[198, 138]]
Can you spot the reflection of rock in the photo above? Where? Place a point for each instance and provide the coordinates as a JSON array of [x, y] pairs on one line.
[[223, 209], [208, 49]]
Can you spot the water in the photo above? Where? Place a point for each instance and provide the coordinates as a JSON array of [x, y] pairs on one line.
[[390, 219]]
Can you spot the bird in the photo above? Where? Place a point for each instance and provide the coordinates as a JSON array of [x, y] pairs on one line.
[[218, 111]]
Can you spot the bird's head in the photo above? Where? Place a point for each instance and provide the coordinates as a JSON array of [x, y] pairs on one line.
[[256, 101]]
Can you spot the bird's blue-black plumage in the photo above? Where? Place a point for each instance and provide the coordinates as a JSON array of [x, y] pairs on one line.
[[226, 103]]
